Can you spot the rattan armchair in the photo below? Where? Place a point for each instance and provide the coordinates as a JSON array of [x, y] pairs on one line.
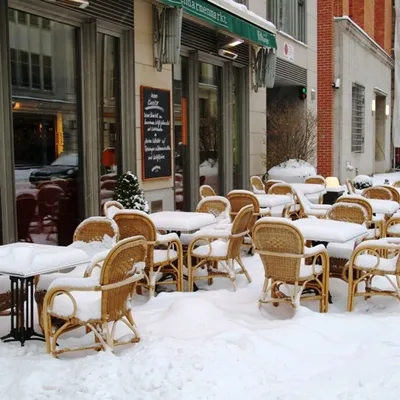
[[97, 302], [5, 295], [393, 191], [377, 192], [164, 252], [111, 207], [371, 259], [206, 191], [257, 184], [340, 253], [308, 209], [285, 259], [393, 226], [316, 180], [93, 229], [396, 184], [271, 182], [375, 225], [350, 187], [214, 248], [290, 210]]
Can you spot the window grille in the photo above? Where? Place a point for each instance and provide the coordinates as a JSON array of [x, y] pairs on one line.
[[358, 118]]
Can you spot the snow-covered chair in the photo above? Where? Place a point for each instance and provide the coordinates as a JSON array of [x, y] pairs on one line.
[[206, 191], [393, 226], [284, 256], [96, 236], [289, 210], [164, 252], [257, 185], [218, 248], [340, 253], [370, 259], [316, 180], [95, 302], [308, 209], [377, 192], [350, 187], [375, 224], [111, 207], [270, 183], [5, 295]]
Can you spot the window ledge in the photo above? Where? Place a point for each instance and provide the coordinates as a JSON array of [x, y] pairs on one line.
[[292, 38]]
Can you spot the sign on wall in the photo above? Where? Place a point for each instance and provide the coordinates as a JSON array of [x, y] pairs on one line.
[[288, 51], [156, 133]]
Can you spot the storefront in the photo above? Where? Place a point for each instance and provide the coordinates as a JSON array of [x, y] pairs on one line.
[[221, 53], [64, 134]]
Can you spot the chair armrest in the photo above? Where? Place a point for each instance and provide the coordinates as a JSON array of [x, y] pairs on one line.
[[265, 212], [165, 239], [313, 251], [96, 262], [74, 283], [213, 234]]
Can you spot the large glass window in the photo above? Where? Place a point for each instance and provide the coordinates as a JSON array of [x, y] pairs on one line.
[[181, 92], [210, 124], [357, 118], [236, 125], [46, 131], [109, 112]]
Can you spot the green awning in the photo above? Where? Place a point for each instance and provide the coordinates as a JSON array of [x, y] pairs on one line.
[[225, 20]]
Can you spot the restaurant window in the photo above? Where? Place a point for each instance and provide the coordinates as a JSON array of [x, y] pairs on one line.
[[46, 132], [22, 18], [34, 21], [109, 113], [357, 118]]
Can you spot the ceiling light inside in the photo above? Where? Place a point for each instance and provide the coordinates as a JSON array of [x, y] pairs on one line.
[[236, 42]]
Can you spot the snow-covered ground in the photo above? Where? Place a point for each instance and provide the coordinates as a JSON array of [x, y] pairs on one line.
[[217, 344], [379, 179]]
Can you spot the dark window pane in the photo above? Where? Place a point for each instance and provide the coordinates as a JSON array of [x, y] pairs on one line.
[[11, 15], [47, 73], [35, 67], [45, 23], [22, 17], [24, 68], [34, 20], [14, 67]]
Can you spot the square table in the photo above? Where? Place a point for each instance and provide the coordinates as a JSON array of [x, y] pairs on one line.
[[22, 262], [326, 230], [387, 207], [181, 221]]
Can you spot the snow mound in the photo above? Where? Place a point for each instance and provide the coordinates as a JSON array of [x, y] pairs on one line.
[[192, 318], [292, 171]]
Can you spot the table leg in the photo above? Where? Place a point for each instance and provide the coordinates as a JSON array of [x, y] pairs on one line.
[[22, 312]]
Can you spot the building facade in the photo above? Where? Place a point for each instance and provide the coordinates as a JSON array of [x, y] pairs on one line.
[[355, 85], [295, 88], [174, 91]]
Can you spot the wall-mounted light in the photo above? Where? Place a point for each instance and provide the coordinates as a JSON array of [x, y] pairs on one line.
[[236, 42], [373, 106], [387, 111], [227, 54], [79, 3]]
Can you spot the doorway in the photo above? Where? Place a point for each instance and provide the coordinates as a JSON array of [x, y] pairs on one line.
[[380, 137]]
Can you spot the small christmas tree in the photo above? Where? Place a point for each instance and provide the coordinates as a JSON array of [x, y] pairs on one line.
[[129, 194]]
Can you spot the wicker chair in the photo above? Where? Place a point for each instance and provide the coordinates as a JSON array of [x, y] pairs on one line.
[[393, 227], [377, 192], [285, 259], [48, 200], [97, 302], [375, 225], [308, 209], [285, 189], [164, 252], [371, 259], [111, 207], [340, 253], [350, 187], [396, 184], [216, 205], [270, 183], [317, 180], [257, 184], [206, 191], [220, 248], [93, 229], [393, 191]]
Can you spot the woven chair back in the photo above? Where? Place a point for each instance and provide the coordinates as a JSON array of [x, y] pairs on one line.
[[257, 183], [240, 225], [216, 205], [94, 229], [282, 241], [393, 191], [316, 180], [206, 191], [377, 192], [112, 203], [396, 184], [116, 268], [358, 200], [282, 188], [347, 212], [241, 198], [268, 184], [350, 187]]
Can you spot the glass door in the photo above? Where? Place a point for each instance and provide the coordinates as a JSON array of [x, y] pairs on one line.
[[210, 124], [46, 129]]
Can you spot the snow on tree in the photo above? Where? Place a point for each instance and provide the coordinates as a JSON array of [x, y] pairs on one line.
[[129, 193]]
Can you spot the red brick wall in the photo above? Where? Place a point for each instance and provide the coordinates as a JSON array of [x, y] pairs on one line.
[[325, 67], [341, 8], [369, 16], [388, 26], [379, 31], [356, 11]]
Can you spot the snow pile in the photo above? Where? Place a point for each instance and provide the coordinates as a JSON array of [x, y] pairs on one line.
[[292, 171], [362, 181]]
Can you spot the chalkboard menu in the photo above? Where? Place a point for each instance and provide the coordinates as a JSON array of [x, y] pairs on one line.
[[156, 133]]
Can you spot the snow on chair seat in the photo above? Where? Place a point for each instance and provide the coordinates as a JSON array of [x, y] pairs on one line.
[[217, 248], [97, 302]]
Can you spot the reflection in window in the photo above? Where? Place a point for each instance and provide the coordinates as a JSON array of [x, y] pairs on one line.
[[45, 131], [109, 112]]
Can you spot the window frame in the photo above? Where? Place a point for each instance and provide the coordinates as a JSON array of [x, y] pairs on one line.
[[357, 118]]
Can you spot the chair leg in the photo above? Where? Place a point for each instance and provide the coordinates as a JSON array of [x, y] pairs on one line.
[[350, 296], [246, 273], [190, 273]]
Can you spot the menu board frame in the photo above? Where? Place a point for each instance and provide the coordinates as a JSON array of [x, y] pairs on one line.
[[167, 114]]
